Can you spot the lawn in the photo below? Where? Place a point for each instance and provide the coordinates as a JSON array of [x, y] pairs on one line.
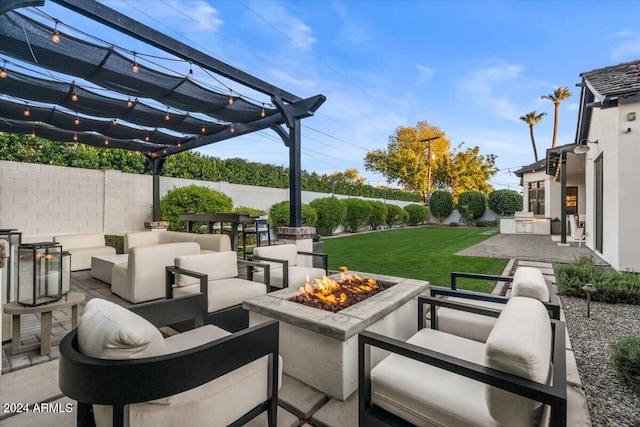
[[425, 253]]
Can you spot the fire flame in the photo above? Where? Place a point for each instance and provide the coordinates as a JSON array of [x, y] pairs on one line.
[[335, 292]]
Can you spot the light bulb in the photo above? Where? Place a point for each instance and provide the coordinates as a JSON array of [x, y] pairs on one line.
[[230, 100], [114, 121], [106, 142], [129, 103], [146, 137], [263, 113], [3, 73], [26, 112], [55, 37], [204, 129], [167, 117], [135, 67], [232, 129], [33, 135], [179, 145], [76, 121], [75, 137], [74, 97], [164, 151]]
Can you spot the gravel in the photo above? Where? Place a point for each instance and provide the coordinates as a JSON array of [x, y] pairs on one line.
[[612, 401]]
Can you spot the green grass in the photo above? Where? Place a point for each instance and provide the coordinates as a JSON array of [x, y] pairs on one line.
[[425, 253]]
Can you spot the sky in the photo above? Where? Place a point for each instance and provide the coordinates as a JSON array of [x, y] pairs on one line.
[[471, 68]]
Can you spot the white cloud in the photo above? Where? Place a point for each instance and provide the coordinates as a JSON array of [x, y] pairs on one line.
[[274, 16], [487, 87], [425, 72], [627, 49]]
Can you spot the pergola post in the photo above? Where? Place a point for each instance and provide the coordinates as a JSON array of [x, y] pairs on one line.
[[563, 197], [295, 176], [156, 168]]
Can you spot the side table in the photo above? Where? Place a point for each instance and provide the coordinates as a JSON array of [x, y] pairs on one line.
[[72, 299]]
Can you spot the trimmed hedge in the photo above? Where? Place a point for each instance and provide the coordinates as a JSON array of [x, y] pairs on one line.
[[358, 212], [395, 215], [626, 359], [418, 214], [279, 215], [378, 215], [472, 204], [611, 286], [193, 198], [332, 212], [505, 202], [441, 204]]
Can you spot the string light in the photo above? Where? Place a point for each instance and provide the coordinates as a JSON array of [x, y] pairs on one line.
[[146, 137], [179, 145], [167, 117], [190, 70], [106, 142], [26, 112], [262, 112], [76, 121], [55, 37], [75, 137], [230, 97], [135, 64], [74, 97], [164, 151], [114, 121], [129, 103], [3, 70], [204, 129], [232, 129], [33, 135]]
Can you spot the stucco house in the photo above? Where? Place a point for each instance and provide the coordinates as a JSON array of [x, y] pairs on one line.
[[598, 176]]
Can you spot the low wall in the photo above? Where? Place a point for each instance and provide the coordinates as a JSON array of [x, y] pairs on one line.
[[42, 200]]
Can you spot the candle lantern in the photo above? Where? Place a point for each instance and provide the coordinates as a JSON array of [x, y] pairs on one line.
[[42, 277], [10, 239]]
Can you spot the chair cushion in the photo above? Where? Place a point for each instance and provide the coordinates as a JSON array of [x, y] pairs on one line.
[[297, 275], [529, 282], [468, 325], [224, 293], [425, 395], [288, 252], [109, 331], [519, 344], [216, 265]]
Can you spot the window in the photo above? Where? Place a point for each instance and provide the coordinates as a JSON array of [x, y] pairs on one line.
[[536, 197], [571, 201]]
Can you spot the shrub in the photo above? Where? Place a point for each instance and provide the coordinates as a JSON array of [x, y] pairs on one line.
[[418, 214], [474, 201], [378, 215], [441, 204], [192, 198], [331, 211], [486, 223], [611, 286], [279, 215], [395, 215], [505, 202], [358, 212], [405, 217], [250, 211], [454, 224], [626, 359], [115, 241]]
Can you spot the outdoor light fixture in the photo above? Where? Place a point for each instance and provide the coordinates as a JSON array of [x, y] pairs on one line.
[[262, 112], [75, 137], [631, 116], [106, 142], [3, 70], [582, 147], [55, 37], [114, 121], [44, 273], [589, 289], [10, 239], [26, 112], [167, 117], [135, 64], [146, 137], [74, 97], [129, 103], [76, 121], [230, 97]]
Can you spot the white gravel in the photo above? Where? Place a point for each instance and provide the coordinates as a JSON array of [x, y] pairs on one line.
[[612, 401]]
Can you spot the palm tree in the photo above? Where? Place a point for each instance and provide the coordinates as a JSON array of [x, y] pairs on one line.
[[559, 95], [531, 119]]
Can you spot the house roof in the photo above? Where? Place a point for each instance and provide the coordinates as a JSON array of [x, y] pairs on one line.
[[533, 167], [613, 82]]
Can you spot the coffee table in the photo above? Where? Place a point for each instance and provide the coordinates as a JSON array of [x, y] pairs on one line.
[[101, 265], [72, 299]]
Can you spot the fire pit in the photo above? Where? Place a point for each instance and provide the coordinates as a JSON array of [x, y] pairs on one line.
[[319, 347], [336, 295]]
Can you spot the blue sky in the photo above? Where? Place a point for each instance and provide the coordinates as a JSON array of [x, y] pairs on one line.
[[472, 68]]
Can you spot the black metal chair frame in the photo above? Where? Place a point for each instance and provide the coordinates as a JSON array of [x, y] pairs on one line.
[[248, 230], [285, 264], [121, 382], [232, 318], [554, 395], [553, 305]]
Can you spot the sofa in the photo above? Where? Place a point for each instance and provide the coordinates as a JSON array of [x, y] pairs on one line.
[[142, 277], [82, 247], [207, 242], [517, 378], [118, 362]]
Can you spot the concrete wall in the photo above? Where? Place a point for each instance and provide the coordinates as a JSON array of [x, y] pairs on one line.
[[42, 200]]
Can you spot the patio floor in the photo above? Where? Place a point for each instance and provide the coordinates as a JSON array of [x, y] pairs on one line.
[[32, 378]]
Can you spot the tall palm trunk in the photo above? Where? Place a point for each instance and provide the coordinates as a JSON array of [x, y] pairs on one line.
[[533, 142], [555, 124]]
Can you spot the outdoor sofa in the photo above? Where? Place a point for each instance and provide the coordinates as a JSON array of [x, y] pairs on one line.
[[83, 246], [207, 242], [121, 370]]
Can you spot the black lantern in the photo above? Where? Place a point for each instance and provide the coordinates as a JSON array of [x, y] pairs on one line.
[[44, 273], [10, 239]]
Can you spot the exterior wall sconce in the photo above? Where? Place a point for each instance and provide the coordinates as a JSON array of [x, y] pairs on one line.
[[631, 116], [582, 147]]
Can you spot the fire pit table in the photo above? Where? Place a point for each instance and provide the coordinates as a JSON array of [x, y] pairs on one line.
[[319, 347]]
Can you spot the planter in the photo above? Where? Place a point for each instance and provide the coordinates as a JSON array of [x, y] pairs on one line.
[[556, 227], [156, 225]]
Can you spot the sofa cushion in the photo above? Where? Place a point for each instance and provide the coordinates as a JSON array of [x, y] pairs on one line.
[[176, 237], [468, 325], [425, 395], [529, 282], [224, 293], [216, 265], [81, 257], [519, 344], [288, 252], [80, 240], [213, 242]]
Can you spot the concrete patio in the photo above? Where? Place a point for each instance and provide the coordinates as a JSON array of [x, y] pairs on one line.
[[31, 378]]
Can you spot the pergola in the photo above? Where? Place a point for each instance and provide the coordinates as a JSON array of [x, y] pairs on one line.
[[127, 104]]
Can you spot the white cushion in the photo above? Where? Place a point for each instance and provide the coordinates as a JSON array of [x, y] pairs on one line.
[[80, 240], [468, 325], [109, 331], [519, 344], [297, 276], [529, 282], [224, 293], [288, 252], [216, 265], [425, 395]]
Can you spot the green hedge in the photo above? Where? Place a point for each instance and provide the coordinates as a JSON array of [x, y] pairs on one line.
[[626, 359], [441, 204], [471, 205], [358, 212], [378, 215], [611, 286], [332, 213], [418, 214], [193, 198], [505, 202], [279, 215], [395, 215]]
